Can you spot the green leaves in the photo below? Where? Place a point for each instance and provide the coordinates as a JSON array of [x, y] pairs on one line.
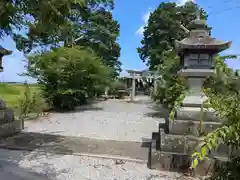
[[176, 104], [226, 104], [69, 75], [34, 23], [211, 141], [100, 34], [164, 28]]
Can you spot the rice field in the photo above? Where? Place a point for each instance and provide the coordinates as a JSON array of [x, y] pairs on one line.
[[11, 93]]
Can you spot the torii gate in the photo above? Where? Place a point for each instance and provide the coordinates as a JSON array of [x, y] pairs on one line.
[[136, 74]]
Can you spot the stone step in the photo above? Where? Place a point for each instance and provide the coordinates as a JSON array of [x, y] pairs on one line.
[[188, 144], [194, 114], [181, 163], [69, 145], [186, 127], [10, 128]]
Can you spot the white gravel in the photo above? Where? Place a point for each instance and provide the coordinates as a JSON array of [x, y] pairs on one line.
[[112, 119], [58, 167], [116, 121]]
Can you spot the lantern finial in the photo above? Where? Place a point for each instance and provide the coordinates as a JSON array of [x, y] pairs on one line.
[[198, 14]]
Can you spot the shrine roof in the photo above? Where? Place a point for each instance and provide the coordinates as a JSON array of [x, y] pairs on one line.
[[4, 51], [134, 71]]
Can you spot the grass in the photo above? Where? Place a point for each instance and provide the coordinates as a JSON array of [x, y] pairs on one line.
[[11, 93]]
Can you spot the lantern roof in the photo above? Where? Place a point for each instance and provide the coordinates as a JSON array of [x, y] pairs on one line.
[[199, 39]]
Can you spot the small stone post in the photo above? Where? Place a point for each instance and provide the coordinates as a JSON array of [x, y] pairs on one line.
[[106, 91], [133, 87], [155, 83]]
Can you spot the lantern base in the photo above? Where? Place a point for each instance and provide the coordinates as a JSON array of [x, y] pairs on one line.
[[196, 73]]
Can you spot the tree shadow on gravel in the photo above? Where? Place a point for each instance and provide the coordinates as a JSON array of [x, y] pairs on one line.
[[29, 141], [17, 152], [83, 108], [158, 111], [64, 145], [26, 147], [12, 171]]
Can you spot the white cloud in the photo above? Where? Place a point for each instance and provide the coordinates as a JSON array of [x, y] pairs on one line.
[[145, 18], [140, 31]]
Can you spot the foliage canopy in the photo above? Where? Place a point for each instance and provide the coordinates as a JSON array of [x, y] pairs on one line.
[[69, 75]]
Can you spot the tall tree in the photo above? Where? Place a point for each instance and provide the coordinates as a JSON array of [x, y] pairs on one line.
[[101, 32], [43, 21], [164, 27], [51, 24]]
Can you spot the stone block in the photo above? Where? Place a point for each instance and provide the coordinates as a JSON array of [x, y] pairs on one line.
[[192, 144], [9, 129], [221, 151], [205, 168], [6, 116], [180, 163], [188, 145], [194, 114], [172, 143], [3, 104], [235, 152], [179, 143], [185, 127], [161, 161], [193, 101]]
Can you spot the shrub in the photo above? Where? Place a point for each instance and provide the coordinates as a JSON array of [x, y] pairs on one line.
[[116, 86], [69, 76], [30, 103]]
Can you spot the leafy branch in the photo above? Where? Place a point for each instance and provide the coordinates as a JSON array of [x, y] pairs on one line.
[[211, 141], [177, 104]]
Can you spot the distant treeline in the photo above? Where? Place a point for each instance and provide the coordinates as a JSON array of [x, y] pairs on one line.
[[18, 83]]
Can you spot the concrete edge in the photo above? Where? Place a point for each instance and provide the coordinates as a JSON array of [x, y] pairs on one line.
[[100, 156]]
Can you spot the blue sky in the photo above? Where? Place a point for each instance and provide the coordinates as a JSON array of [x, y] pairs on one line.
[[132, 16]]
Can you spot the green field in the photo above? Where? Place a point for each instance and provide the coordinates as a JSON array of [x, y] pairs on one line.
[[11, 93]]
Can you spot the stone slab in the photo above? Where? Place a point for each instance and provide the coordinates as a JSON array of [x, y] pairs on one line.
[[180, 163], [194, 101], [72, 145], [9, 129], [186, 127], [194, 114], [196, 72]]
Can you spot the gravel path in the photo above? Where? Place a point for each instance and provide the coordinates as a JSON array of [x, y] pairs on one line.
[[70, 167], [112, 119]]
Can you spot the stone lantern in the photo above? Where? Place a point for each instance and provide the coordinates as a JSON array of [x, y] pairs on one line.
[[8, 125], [178, 139], [3, 52], [196, 54]]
